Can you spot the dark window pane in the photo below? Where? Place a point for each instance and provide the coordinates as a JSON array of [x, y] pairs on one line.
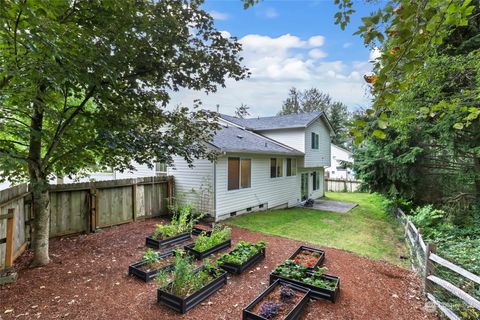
[[313, 140], [294, 167], [245, 173], [279, 167], [314, 180], [317, 138], [273, 168], [289, 167], [233, 173]]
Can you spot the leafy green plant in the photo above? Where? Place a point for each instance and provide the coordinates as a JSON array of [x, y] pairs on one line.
[[290, 269], [185, 278], [242, 252], [182, 221], [150, 256], [219, 234], [427, 216]]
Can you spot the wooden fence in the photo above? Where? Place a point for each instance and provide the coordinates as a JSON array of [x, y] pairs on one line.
[[338, 185], [84, 207], [425, 261]]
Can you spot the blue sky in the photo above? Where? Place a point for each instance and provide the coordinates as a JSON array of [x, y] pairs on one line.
[[289, 43]]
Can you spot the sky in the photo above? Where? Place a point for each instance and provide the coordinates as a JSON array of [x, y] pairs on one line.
[[288, 43]]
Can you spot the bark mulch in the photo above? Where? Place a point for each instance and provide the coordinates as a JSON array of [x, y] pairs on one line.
[[87, 279]]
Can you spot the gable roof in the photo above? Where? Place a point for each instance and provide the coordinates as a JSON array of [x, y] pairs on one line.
[[291, 121], [231, 138]]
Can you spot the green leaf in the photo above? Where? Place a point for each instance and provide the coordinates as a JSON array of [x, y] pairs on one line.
[[379, 134]]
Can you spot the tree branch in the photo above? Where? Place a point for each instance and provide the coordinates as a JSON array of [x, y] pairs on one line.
[[62, 127]]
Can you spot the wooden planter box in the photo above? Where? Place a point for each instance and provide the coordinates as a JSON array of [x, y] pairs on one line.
[[320, 259], [238, 269], [294, 314], [134, 269], [182, 305], [203, 254], [315, 292], [158, 244]]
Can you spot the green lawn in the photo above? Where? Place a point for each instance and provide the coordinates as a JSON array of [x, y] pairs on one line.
[[366, 230]]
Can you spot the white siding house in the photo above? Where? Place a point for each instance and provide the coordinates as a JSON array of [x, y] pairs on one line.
[[262, 163], [337, 169]]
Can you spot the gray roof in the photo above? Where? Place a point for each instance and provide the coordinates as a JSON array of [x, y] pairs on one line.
[[233, 139], [290, 121]]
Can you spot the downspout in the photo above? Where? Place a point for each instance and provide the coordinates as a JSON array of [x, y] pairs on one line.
[[215, 190]]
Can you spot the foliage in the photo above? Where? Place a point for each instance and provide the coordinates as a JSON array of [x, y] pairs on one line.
[[287, 294], [242, 111], [427, 216], [242, 252], [313, 100], [150, 256], [85, 84], [182, 221], [219, 234], [290, 269], [186, 278], [269, 309]]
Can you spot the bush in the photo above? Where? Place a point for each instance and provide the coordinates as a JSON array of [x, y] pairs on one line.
[[427, 216]]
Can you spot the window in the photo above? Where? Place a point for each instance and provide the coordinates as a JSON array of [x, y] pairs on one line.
[[291, 167], [245, 169], [316, 180], [276, 168], [239, 173], [315, 139], [160, 167]]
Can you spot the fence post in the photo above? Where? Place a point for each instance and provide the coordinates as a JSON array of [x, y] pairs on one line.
[[10, 235], [93, 210], [134, 201], [431, 248]]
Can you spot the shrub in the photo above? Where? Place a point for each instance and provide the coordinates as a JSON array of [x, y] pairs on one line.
[[427, 216]]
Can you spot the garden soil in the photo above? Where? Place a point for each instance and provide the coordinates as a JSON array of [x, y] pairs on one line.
[[87, 279]]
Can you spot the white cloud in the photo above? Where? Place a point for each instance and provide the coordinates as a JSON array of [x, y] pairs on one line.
[[217, 15], [347, 45], [316, 41], [279, 63], [317, 54]]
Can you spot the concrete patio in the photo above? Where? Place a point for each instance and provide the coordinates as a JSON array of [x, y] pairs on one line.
[[333, 206]]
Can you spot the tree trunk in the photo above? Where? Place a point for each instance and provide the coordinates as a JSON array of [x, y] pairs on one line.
[[39, 184], [41, 223]]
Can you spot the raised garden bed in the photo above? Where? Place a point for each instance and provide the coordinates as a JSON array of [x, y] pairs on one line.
[[244, 256], [199, 228], [308, 257], [148, 271], [158, 244], [183, 304], [321, 286], [203, 254], [281, 300], [316, 292]]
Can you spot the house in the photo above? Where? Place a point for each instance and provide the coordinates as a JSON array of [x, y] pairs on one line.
[[262, 163], [338, 169]]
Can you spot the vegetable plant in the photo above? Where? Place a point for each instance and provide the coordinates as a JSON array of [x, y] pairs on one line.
[[182, 221], [269, 309], [204, 242], [242, 252], [150, 256], [291, 270], [286, 294], [186, 278]]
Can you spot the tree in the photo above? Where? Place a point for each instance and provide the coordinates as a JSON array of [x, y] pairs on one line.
[[242, 111], [313, 100], [86, 83]]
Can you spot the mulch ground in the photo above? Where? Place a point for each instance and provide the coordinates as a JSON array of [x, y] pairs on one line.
[[87, 279]]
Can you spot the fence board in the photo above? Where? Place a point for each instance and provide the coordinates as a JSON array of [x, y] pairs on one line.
[[337, 185], [447, 264], [449, 313], [459, 293], [70, 206]]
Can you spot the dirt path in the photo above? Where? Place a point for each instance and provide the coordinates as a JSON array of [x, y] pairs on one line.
[[87, 279]]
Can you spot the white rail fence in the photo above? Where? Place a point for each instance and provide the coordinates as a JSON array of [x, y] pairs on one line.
[[425, 260], [339, 185]]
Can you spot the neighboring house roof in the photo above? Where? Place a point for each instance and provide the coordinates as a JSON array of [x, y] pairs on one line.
[[231, 138], [291, 121]]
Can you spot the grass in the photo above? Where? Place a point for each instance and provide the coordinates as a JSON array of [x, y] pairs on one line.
[[366, 230]]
